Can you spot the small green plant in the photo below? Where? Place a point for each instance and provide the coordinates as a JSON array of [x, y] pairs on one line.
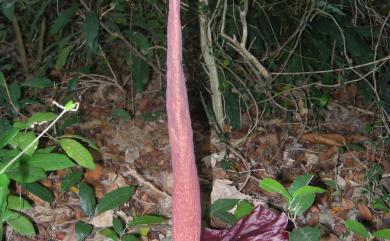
[[299, 196], [358, 228], [118, 230]]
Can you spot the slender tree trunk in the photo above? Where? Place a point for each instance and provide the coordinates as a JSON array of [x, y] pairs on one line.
[[186, 196], [20, 44], [206, 44]]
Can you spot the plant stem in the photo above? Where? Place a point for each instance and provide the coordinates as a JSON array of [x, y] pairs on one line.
[[32, 143], [20, 44]]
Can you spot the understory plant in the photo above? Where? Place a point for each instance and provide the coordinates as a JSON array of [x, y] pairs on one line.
[[300, 197]]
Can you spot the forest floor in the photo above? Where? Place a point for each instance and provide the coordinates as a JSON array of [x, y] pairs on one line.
[[340, 152]]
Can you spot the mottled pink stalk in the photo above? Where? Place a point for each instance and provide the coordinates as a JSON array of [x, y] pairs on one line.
[[186, 197]]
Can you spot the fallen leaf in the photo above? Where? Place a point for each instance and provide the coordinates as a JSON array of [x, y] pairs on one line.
[[93, 176], [326, 139], [102, 220]]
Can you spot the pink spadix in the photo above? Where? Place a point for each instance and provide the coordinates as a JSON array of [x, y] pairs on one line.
[[186, 198]]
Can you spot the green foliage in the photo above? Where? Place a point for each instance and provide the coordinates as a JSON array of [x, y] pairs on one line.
[[83, 230], [115, 199], [71, 180], [305, 234], [77, 152], [300, 195], [87, 199], [145, 220], [230, 210]]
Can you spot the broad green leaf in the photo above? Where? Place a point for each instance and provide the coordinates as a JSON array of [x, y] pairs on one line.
[[38, 82], [356, 227], [121, 114], [40, 118], [220, 209], [45, 150], [305, 234], [7, 136], [140, 40], [223, 205], [146, 220], [243, 209], [23, 140], [109, 233], [22, 225], [70, 105], [383, 233], [299, 182], [307, 190], [71, 180], [300, 204], [87, 199], [8, 154], [115, 199], [50, 162], [62, 57], [77, 152], [118, 225], [129, 237], [83, 230], [17, 203], [40, 191], [90, 143], [140, 73], [271, 185], [4, 191], [63, 19], [8, 8], [26, 173], [91, 30]]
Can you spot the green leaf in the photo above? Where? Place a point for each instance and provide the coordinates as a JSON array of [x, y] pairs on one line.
[[4, 191], [129, 237], [220, 209], [140, 40], [243, 209], [62, 57], [307, 190], [63, 19], [91, 30], [8, 8], [7, 136], [115, 199], [118, 225], [271, 185], [26, 173], [38, 82], [21, 224], [109, 233], [77, 152], [83, 230], [71, 180], [356, 227], [23, 140], [50, 162], [146, 220], [70, 105], [305, 234], [383, 233], [45, 150], [223, 205], [140, 73], [17, 203], [121, 114], [90, 143], [87, 199], [40, 118], [299, 182], [300, 204], [40, 191]]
